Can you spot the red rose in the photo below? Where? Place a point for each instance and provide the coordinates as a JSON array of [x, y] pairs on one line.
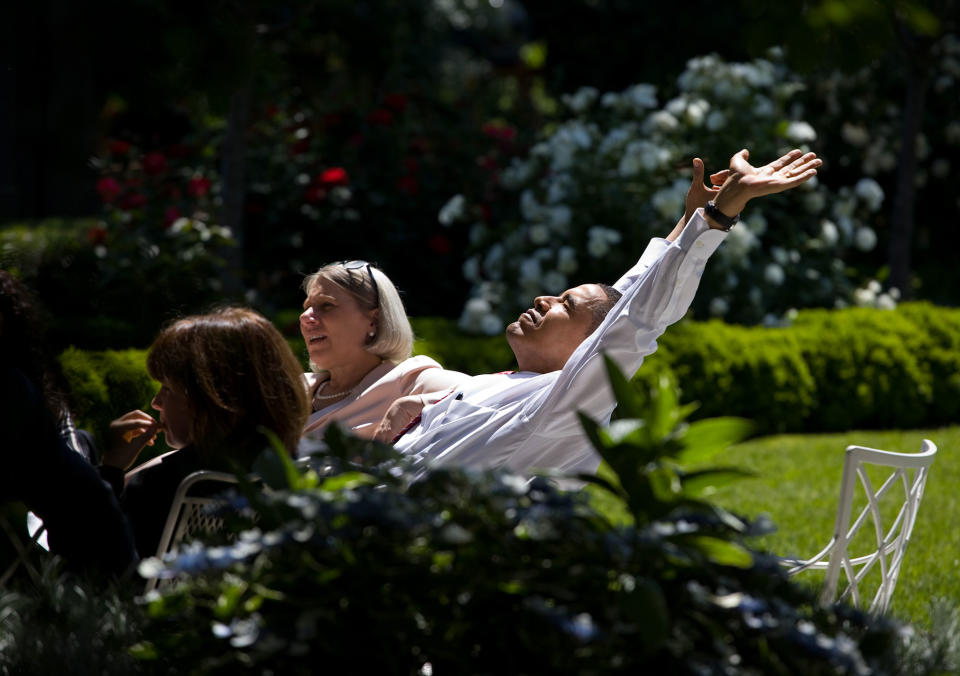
[[108, 188], [97, 235], [380, 117], [119, 147], [412, 164], [315, 193], [170, 214], [154, 163], [408, 184], [439, 244], [133, 201], [396, 102], [198, 186], [485, 213], [500, 132], [488, 162], [333, 176]]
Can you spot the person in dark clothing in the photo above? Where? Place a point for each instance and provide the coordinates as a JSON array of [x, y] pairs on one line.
[[83, 520], [223, 376]]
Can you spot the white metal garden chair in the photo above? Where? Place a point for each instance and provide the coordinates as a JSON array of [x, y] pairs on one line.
[[191, 513], [887, 547]]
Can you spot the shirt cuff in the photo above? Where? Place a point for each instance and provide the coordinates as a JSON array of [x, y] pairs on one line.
[[698, 239]]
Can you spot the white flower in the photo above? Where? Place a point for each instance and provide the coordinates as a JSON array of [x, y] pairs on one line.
[[661, 120], [609, 99], [829, 233], [491, 325], [641, 96], [567, 260], [559, 188], [773, 273], [302, 179], [763, 106], [814, 202], [854, 134], [779, 255], [492, 260], [529, 206], [477, 307], [616, 138], [870, 192], [716, 120], [539, 234], [597, 248], [799, 131], [739, 243], [580, 100], [530, 270], [757, 223], [559, 218], [670, 201], [885, 302], [471, 269], [865, 238], [340, 195], [676, 106], [518, 173], [719, 307], [554, 282]]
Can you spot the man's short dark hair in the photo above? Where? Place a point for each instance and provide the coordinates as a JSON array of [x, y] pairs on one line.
[[601, 308]]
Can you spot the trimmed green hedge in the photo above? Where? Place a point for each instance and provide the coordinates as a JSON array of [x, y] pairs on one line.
[[830, 371]]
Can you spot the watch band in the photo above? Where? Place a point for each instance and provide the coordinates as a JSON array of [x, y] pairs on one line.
[[713, 212]]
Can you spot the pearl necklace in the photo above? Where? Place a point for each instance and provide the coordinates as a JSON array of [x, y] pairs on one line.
[[332, 396]]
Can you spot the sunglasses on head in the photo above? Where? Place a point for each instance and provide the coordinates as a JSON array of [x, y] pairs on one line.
[[358, 265]]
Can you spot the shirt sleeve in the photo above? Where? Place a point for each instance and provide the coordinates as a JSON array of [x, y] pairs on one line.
[[657, 292]]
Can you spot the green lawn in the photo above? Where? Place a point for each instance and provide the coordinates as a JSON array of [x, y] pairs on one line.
[[797, 486]]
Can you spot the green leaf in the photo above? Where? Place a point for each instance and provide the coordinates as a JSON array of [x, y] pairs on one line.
[[721, 552], [705, 438], [346, 481], [629, 403], [275, 465], [703, 482], [646, 605]]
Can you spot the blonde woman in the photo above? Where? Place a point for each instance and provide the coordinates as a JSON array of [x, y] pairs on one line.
[[360, 341]]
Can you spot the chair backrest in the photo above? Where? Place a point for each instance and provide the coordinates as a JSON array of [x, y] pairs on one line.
[[191, 513], [888, 544]]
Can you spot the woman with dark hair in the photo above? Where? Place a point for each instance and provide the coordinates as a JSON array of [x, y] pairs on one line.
[[40, 469], [224, 376]]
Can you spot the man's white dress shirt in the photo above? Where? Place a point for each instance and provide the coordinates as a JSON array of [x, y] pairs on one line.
[[527, 421]]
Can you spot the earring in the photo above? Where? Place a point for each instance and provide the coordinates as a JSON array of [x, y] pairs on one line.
[[371, 334]]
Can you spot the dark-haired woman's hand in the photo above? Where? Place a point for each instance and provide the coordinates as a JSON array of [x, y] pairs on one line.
[[127, 436]]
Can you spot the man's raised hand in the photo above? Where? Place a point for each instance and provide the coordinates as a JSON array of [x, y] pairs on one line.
[[745, 182]]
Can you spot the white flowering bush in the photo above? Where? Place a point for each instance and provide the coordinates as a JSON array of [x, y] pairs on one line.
[[614, 171]]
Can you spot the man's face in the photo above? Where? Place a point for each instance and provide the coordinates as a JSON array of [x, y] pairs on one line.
[[545, 336]]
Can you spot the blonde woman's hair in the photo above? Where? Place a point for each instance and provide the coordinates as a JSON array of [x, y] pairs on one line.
[[393, 337]]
